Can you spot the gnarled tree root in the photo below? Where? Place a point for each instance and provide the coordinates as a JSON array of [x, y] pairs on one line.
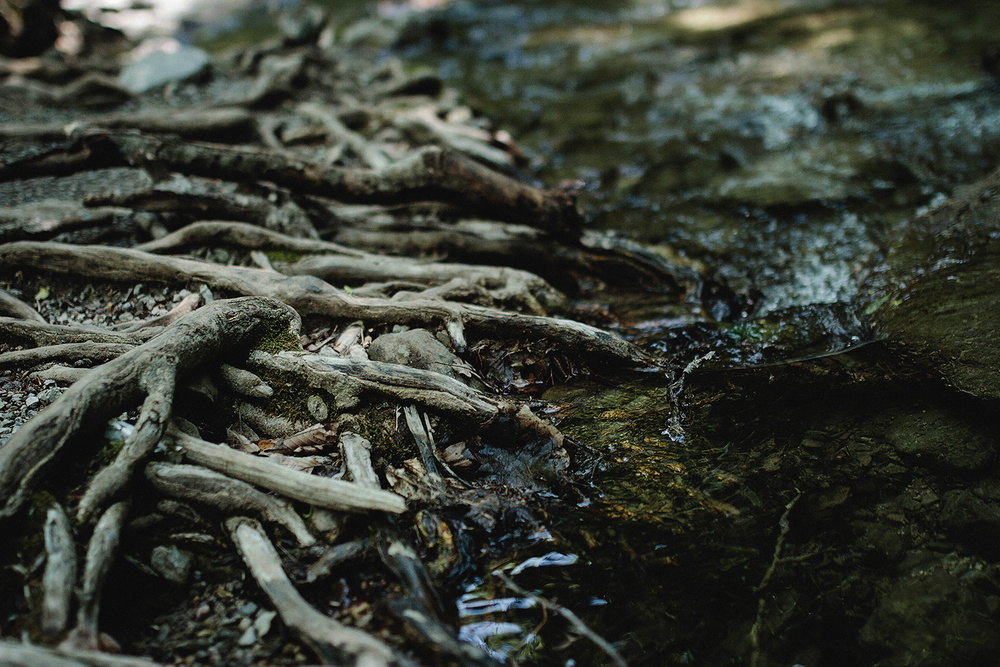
[[333, 642], [340, 265], [16, 654], [11, 306], [41, 334], [311, 296], [224, 329], [428, 174], [230, 496], [318, 491]]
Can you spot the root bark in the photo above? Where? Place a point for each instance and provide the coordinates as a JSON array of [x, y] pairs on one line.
[[151, 370]]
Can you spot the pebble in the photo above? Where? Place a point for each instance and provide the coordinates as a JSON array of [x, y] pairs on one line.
[[171, 563], [248, 609], [47, 396], [263, 623], [248, 638]]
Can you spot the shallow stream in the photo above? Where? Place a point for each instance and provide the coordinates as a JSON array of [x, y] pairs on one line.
[[773, 146]]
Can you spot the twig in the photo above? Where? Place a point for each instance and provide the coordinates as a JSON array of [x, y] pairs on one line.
[[756, 656], [570, 616], [334, 556], [356, 452], [425, 444]]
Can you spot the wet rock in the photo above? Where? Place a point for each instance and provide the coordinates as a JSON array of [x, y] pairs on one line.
[[935, 297], [941, 613], [417, 348], [162, 67], [936, 437], [971, 519], [171, 563]]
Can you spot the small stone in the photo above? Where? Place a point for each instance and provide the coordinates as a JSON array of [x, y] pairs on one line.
[[263, 623], [171, 563], [970, 519], [940, 613], [935, 436], [248, 609], [248, 638], [31, 402], [47, 396], [301, 25], [417, 348]]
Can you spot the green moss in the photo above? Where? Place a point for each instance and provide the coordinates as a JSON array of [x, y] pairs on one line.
[[286, 256], [278, 337], [743, 332], [291, 396], [376, 423], [109, 451]]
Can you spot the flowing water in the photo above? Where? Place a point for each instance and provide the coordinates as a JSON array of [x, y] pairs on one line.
[[773, 145]]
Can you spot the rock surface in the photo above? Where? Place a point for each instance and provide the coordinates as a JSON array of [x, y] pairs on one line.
[[935, 295], [938, 438]]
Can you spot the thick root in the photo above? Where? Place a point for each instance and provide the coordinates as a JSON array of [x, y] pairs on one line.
[[311, 296], [223, 329]]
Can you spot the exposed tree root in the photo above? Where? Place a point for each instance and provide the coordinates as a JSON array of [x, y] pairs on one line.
[[100, 556], [222, 329], [229, 496], [42, 334], [16, 654], [189, 123], [11, 306], [311, 296], [318, 491], [66, 353], [429, 174], [60, 571], [333, 642], [339, 265]]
